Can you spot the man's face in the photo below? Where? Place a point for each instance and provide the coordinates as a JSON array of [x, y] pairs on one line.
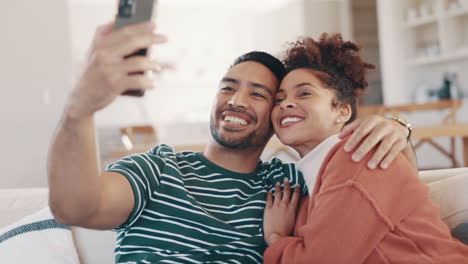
[[240, 117]]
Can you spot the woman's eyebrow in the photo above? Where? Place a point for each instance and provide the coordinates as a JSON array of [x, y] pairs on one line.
[[303, 84]]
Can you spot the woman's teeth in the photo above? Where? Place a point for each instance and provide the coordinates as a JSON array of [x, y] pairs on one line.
[[290, 120]]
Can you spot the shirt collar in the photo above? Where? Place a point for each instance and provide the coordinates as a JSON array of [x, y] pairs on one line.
[[310, 164]]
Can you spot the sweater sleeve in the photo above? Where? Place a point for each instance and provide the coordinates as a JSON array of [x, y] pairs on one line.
[[344, 227], [350, 214]]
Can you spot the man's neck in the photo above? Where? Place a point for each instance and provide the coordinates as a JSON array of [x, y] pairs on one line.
[[237, 160]]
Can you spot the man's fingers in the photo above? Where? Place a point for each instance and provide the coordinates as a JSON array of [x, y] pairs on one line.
[[393, 153], [136, 43], [105, 29], [125, 33], [138, 64], [136, 82], [296, 195], [286, 191], [278, 194], [381, 151], [269, 200], [349, 129], [370, 142], [365, 127]]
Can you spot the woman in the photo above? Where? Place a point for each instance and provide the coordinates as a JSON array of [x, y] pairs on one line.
[[354, 214]]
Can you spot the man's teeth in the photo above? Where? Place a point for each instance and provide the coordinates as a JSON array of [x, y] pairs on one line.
[[290, 119], [235, 120]]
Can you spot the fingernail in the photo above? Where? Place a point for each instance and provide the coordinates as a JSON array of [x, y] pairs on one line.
[[356, 157], [278, 183], [286, 180], [371, 165], [384, 165], [347, 148]]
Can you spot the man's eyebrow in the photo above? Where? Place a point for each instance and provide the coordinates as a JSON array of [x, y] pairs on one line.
[[230, 80], [261, 86]]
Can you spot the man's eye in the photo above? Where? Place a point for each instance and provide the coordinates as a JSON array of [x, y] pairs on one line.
[[258, 95], [227, 89]]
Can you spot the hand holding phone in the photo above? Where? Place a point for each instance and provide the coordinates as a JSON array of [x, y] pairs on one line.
[[134, 12]]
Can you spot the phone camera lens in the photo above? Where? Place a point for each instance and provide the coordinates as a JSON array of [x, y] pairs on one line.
[[126, 8]]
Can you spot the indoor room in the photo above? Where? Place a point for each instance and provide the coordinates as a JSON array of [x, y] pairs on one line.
[[420, 82]]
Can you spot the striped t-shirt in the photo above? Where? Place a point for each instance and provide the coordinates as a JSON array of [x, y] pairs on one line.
[[189, 210]]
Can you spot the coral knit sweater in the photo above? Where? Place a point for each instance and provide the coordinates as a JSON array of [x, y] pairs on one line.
[[357, 215]]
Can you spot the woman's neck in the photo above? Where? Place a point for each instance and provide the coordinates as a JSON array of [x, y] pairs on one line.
[[306, 147]]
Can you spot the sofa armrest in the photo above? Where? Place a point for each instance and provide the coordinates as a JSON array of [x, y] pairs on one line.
[[430, 176], [448, 190]]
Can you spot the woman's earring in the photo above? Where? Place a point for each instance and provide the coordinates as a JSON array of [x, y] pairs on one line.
[[338, 121]]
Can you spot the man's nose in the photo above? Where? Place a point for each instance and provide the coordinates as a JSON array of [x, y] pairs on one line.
[[239, 99]]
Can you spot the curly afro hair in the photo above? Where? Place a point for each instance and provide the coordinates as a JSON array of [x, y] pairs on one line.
[[338, 63]]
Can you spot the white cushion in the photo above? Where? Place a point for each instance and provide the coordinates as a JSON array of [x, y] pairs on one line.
[[88, 240], [37, 238], [20, 202]]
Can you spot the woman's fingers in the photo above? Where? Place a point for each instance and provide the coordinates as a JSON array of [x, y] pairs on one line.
[[269, 200], [296, 195], [286, 191], [278, 194]]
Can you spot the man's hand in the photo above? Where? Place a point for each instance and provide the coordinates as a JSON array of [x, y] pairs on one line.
[[108, 74], [370, 131], [280, 213]]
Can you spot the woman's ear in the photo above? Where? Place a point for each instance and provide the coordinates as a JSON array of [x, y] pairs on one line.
[[345, 112]]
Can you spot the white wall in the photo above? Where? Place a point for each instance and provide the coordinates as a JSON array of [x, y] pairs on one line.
[[329, 16], [275, 28], [35, 70]]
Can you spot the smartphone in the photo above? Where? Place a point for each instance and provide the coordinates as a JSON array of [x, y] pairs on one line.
[[133, 12]]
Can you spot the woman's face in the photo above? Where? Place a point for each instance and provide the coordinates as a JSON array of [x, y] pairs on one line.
[[303, 115]]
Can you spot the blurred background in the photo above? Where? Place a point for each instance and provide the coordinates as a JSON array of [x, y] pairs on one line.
[[419, 46]]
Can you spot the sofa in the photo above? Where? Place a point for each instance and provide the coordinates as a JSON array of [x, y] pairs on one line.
[[447, 189]]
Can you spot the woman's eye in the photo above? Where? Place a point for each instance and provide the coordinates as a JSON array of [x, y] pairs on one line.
[[305, 94], [279, 100]]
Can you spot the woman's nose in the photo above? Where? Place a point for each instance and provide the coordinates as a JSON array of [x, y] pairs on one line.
[[287, 104]]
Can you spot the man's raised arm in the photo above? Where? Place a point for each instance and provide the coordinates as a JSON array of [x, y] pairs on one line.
[[80, 194]]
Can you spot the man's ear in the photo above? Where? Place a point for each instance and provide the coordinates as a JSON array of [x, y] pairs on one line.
[[345, 112]]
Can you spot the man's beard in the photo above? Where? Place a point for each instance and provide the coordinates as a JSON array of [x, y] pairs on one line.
[[255, 139]]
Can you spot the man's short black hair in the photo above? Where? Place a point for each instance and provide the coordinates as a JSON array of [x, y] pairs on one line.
[[266, 59]]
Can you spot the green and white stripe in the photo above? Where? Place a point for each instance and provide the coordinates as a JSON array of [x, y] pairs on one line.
[[189, 210]]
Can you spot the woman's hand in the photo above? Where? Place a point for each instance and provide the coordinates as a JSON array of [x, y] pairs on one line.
[[280, 212]]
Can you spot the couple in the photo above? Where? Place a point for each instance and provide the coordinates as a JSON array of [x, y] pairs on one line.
[[184, 207]]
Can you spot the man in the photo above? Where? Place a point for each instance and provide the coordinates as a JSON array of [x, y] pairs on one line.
[[180, 207]]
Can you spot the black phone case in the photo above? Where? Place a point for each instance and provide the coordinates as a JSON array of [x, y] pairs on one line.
[[133, 12]]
